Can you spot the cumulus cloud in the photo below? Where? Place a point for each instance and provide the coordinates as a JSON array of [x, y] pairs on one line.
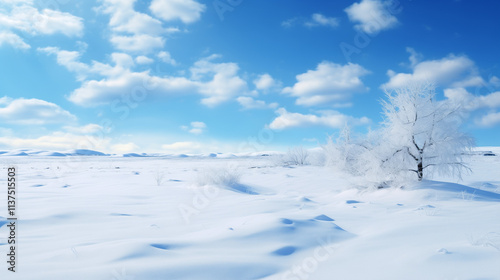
[[495, 81], [315, 20], [477, 103], [187, 11], [24, 17], [143, 60], [143, 43], [266, 83], [124, 18], [195, 128], [328, 83], [450, 71], [372, 16], [33, 112], [133, 31], [219, 82], [183, 147], [9, 38], [249, 103], [473, 102], [321, 20], [327, 118], [124, 148], [165, 57], [57, 141], [128, 85], [489, 120], [290, 22], [86, 129], [70, 60]]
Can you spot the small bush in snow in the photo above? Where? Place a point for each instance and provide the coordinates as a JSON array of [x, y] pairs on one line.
[[295, 156], [159, 176], [491, 239], [228, 176]]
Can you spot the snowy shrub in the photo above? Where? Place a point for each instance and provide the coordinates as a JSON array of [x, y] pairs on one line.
[[491, 239], [159, 177], [295, 156], [316, 157], [356, 156], [228, 176]]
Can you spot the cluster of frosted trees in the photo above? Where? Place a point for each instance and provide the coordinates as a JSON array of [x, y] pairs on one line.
[[419, 136]]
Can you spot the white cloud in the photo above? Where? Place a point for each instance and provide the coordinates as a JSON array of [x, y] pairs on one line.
[[489, 120], [250, 103], [415, 57], [183, 147], [16, 2], [475, 103], [86, 129], [133, 31], [330, 82], [371, 16], [165, 57], [9, 38], [217, 82], [128, 85], [33, 112], [188, 11], [290, 22], [124, 148], [5, 100], [195, 128], [223, 84], [142, 43], [328, 118], [57, 141], [495, 81], [316, 19], [22, 16], [51, 22], [70, 60], [266, 83], [125, 19], [27, 18], [321, 20], [450, 71], [143, 60]]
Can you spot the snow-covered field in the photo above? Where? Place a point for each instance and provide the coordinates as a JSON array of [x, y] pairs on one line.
[[111, 217]]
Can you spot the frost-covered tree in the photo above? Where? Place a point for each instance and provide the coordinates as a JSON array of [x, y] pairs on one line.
[[354, 155], [420, 134]]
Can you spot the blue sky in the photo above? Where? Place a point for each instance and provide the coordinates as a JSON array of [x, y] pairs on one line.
[[186, 76]]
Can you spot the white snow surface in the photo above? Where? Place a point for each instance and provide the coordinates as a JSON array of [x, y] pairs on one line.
[[231, 217]]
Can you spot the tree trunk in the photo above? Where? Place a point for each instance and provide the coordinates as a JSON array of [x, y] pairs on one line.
[[420, 170]]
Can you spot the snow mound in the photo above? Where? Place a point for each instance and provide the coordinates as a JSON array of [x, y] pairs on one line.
[[84, 152], [460, 191], [135, 155], [52, 154], [15, 153]]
